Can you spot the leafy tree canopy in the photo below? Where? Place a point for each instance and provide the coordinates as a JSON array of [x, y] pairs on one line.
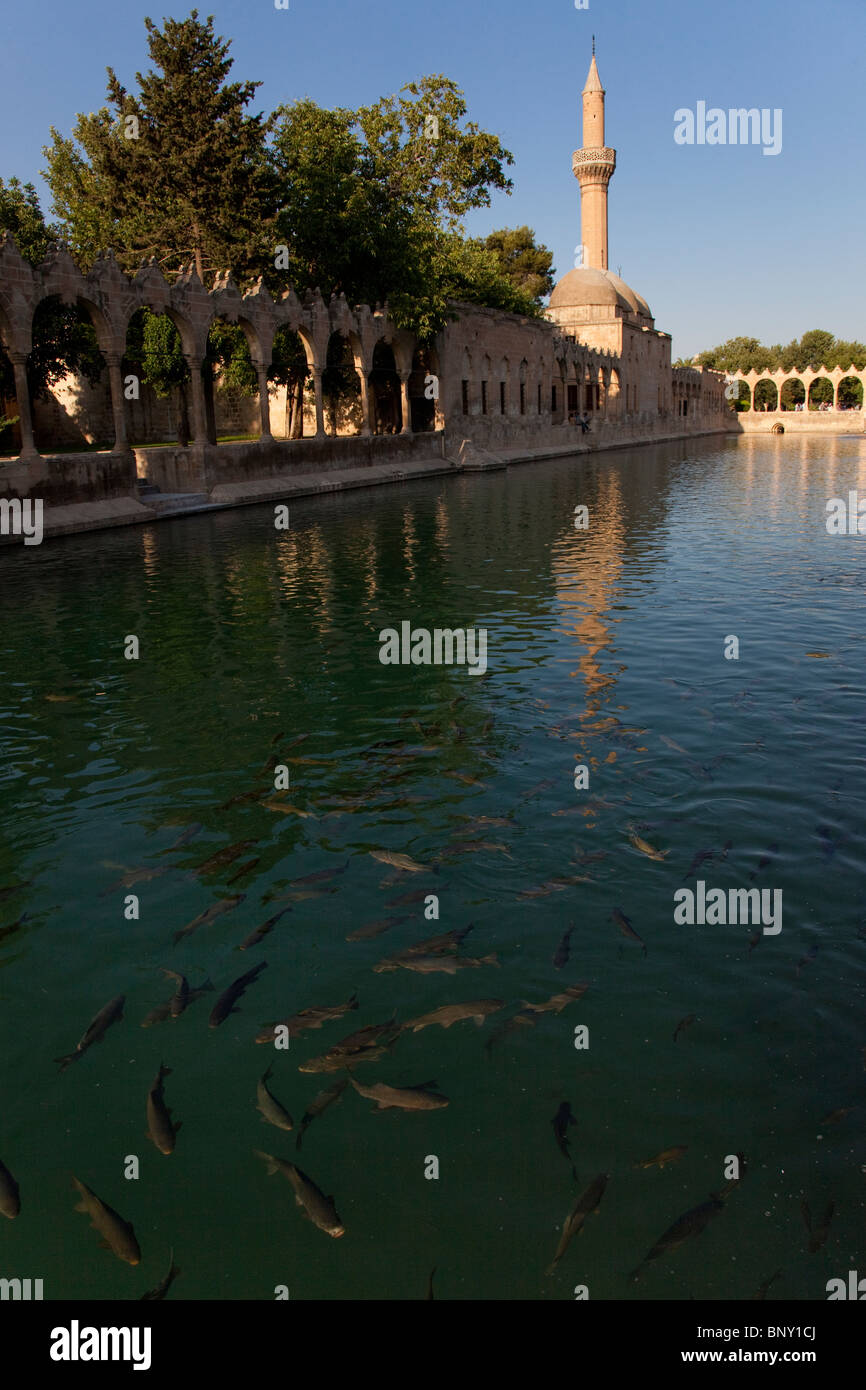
[[817, 348]]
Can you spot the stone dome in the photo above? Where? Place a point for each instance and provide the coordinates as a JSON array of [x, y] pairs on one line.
[[588, 287]]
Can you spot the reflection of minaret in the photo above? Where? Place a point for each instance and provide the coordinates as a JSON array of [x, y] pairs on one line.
[[593, 166], [587, 566]]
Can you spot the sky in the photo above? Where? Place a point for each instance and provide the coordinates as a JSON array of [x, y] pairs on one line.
[[720, 239]]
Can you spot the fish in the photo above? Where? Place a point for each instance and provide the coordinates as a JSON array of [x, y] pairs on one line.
[[560, 958], [366, 1045], [589, 1202], [560, 1122], [420, 1097], [319, 1208], [437, 964], [763, 1289], [117, 1234], [626, 927], [307, 1018], [818, 1236], [446, 943], [68, 699], [286, 810], [726, 848], [539, 787], [377, 928], [666, 1156], [690, 1224], [683, 1024], [754, 940], [255, 795], [406, 899], [398, 861], [479, 822], [319, 1105], [225, 1004], [180, 1000], [557, 1002], [184, 838], [164, 1284], [159, 1126], [224, 856], [320, 876], [10, 1199], [466, 778], [129, 877], [430, 1295], [244, 869], [836, 1115], [701, 856], [553, 885], [807, 958], [646, 848], [476, 847], [765, 860], [448, 1014], [14, 926], [11, 889], [209, 915], [669, 742], [828, 844], [95, 1031], [261, 932], [269, 1107]]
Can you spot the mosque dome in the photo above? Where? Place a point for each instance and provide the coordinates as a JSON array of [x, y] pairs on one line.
[[588, 287]]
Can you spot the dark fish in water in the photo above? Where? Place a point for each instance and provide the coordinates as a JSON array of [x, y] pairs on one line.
[[184, 838], [666, 1156], [224, 856], [319, 1208], [269, 1107], [561, 1121], [130, 877], [836, 1115], [261, 932], [319, 1105], [475, 847], [10, 1201], [14, 926], [691, 1224], [445, 944], [320, 876], [398, 861], [210, 915], [701, 856], [159, 1126], [626, 927], [557, 1002], [765, 860], [669, 742], [255, 795], [96, 1030], [561, 954], [307, 1018], [764, 1288], [405, 899], [377, 928], [828, 844], [726, 848], [683, 1024], [589, 1202], [367, 1045], [420, 1097], [539, 787], [807, 959], [818, 1236], [754, 940], [164, 1284], [117, 1234], [244, 869], [226, 1002], [554, 885], [430, 1295], [11, 889], [447, 1014], [180, 1000]]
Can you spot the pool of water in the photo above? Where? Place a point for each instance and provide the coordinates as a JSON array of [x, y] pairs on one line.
[[605, 650]]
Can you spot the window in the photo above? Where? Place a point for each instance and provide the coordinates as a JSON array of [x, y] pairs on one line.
[[553, 399], [465, 385], [484, 398], [502, 397], [523, 397], [539, 398]]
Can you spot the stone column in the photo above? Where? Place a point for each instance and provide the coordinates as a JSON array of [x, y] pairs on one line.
[[404, 403], [365, 402], [199, 417], [22, 400], [115, 381], [265, 435], [320, 405]]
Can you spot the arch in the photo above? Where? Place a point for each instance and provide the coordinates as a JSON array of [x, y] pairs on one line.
[[385, 391], [156, 379], [341, 387], [290, 369], [229, 379], [766, 395], [425, 390], [77, 409], [849, 393], [821, 393], [793, 393]]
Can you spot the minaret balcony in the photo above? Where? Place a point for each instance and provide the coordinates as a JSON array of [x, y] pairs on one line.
[[594, 165]]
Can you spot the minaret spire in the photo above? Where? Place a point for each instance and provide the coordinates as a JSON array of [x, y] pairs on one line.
[[593, 166]]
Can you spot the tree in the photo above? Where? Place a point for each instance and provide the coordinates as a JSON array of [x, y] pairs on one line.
[[177, 171], [525, 264]]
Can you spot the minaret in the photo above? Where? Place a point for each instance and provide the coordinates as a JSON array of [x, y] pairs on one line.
[[593, 166]]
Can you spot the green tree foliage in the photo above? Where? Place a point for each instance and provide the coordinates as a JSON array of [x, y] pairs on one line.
[[177, 170], [817, 348], [527, 265]]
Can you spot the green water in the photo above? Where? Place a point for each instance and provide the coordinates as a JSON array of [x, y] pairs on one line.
[[601, 644]]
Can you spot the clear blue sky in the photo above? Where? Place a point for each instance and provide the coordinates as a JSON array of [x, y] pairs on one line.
[[719, 239]]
